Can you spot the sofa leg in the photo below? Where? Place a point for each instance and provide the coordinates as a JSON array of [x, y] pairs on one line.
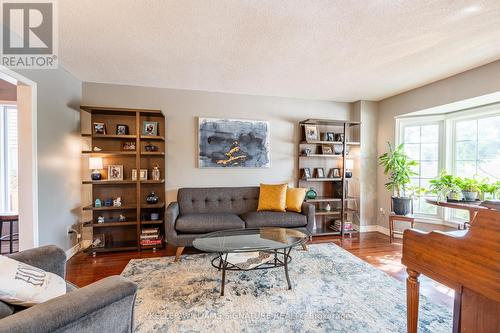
[[178, 252], [304, 247]]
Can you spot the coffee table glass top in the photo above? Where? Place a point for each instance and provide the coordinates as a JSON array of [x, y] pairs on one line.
[[248, 240]]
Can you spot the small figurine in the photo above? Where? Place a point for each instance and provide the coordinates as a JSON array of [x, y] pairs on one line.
[[117, 202], [97, 149], [100, 219], [328, 207], [98, 203], [108, 202], [156, 172], [122, 218]]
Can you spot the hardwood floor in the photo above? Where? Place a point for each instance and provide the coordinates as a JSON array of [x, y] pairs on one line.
[[373, 247]]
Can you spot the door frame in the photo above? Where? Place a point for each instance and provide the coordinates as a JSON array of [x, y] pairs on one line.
[[27, 157]]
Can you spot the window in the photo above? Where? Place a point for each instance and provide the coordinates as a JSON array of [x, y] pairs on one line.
[[422, 143], [477, 147], [8, 167], [465, 143]]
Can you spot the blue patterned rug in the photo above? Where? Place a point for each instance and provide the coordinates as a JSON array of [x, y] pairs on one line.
[[333, 291]]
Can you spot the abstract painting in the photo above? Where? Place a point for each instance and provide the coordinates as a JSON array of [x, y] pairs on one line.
[[233, 143]]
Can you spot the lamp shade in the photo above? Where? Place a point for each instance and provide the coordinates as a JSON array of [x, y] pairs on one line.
[[349, 164], [95, 163]]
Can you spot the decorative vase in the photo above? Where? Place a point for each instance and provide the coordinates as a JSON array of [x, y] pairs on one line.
[[328, 207], [152, 198], [155, 174], [311, 194]]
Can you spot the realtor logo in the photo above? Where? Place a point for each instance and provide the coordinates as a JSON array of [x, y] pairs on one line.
[[29, 34]]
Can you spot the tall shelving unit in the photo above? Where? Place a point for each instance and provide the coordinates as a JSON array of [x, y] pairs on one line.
[[122, 235], [339, 192]]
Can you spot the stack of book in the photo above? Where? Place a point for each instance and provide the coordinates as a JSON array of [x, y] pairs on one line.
[[150, 237], [337, 226]]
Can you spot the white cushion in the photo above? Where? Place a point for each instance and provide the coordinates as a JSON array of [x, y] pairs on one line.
[[25, 285]]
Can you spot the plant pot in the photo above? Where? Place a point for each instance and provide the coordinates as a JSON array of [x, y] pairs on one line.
[[454, 196], [401, 206], [469, 196]]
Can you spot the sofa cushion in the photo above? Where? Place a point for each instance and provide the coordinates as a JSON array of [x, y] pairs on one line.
[[235, 200], [272, 197], [203, 223], [5, 310], [274, 219]]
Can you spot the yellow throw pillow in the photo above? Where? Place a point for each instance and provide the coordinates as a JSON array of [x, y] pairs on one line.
[[272, 197], [295, 198]]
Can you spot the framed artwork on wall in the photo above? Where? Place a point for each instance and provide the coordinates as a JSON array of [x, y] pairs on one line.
[[233, 143]]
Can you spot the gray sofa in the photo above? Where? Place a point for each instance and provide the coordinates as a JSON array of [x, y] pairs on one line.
[[203, 210], [104, 306]]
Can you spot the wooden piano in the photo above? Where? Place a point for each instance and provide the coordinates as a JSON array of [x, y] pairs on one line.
[[467, 261]]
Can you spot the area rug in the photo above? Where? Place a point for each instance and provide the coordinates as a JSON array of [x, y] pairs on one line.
[[333, 291]]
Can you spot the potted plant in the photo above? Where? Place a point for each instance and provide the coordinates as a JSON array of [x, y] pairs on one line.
[[492, 189], [398, 166], [470, 188], [445, 186]]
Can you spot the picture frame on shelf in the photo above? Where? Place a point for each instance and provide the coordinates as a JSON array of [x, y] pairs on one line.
[[129, 146], [115, 172], [320, 172], [334, 173], [122, 129], [307, 151], [326, 150], [150, 128], [339, 137], [307, 173], [330, 136], [311, 133], [142, 176], [99, 128]]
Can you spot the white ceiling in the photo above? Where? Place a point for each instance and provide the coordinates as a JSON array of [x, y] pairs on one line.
[[337, 50]]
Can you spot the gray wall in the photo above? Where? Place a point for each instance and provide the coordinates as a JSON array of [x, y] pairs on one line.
[[59, 149], [367, 113], [473, 83], [182, 108]]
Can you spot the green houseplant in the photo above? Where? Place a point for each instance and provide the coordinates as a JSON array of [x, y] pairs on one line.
[[398, 166], [470, 188], [445, 186]]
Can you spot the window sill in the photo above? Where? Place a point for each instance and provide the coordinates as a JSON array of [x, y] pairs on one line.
[[434, 220]]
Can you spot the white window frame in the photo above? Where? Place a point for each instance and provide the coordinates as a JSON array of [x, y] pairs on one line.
[[5, 160], [401, 123], [447, 145]]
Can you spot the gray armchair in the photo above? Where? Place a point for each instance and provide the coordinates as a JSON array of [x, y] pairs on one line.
[[104, 306]]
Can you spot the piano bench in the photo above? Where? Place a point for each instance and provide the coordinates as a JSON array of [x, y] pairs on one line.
[[402, 218]]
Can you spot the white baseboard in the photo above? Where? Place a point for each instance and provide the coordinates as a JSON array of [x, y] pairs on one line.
[[74, 250], [377, 228], [368, 228]]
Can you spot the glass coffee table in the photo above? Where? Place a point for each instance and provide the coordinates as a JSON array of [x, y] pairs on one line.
[[251, 249]]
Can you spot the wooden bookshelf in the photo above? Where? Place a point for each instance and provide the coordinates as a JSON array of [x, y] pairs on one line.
[[336, 205], [123, 236]]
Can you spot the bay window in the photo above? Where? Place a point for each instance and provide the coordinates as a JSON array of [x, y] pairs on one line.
[[466, 144]]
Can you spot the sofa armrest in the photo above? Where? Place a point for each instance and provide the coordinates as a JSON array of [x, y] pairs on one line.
[[309, 210], [49, 258], [171, 214], [104, 306]]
